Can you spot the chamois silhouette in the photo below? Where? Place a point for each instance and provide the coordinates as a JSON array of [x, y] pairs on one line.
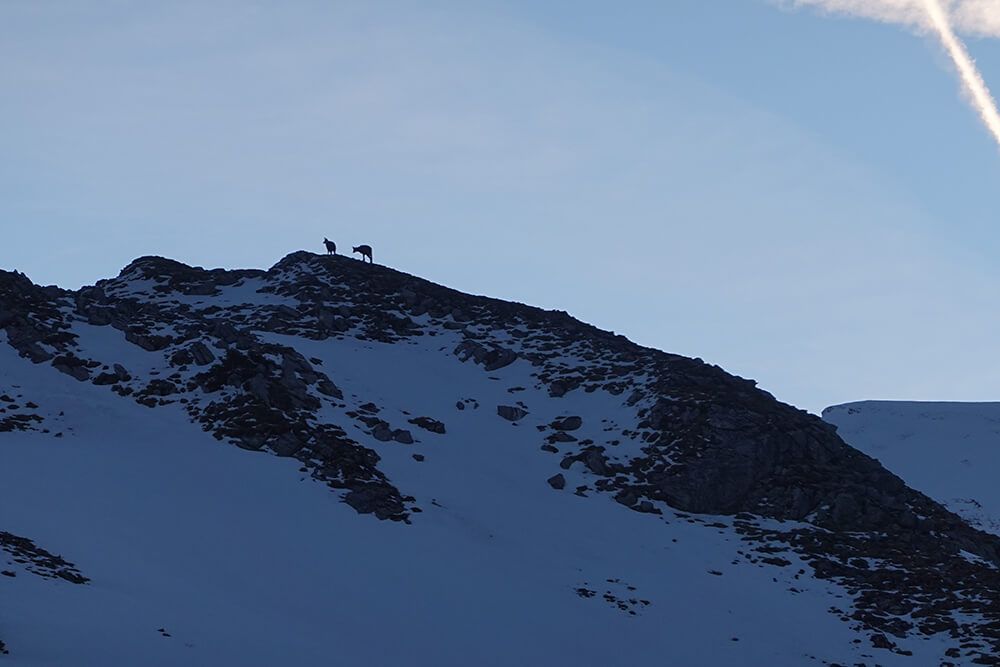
[[366, 251], [331, 247]]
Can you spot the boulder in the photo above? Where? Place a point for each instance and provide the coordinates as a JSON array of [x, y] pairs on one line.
[[327, 388], [382, 432], [428, 424], [491, 358], [567, 423], [596, 461], [71, 365], [200, 354], [511, 413]]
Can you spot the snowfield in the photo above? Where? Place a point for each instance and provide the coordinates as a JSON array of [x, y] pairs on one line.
[[243, 560]]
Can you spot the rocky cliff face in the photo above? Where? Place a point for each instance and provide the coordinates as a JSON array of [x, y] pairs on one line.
[[698, 440]]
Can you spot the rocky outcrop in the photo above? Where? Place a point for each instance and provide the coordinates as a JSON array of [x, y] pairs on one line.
[[33, 317], [36, 560]]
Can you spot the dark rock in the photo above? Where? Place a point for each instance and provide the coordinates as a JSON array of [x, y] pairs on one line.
[[511, 413], [845, 510], [907, 519], [148, 342], [71, 365], [428, 424], [567, 423], [376, 498], [557, 481], [382, 432], [160, 388], [286, 444], [491, 358], [105, 379], [327, 388], [596, 462], [403, 436], [200, 354]]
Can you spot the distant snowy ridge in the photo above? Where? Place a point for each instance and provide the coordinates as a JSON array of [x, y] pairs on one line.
[[499, 429], [950, 451]]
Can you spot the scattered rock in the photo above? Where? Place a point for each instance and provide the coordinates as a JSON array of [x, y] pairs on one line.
[[382, 432], [428, 424], [72, 365], [200, 354], [38, 561], [403, 436], [511, 413], [491, 358], [567, 423]]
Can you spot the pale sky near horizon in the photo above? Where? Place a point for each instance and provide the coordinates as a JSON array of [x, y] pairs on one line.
[[801, 199]]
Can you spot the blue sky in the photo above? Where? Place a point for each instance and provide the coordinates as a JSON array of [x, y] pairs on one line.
[[801, 199]]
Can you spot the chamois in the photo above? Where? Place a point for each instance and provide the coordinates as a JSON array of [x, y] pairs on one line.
[[331, 247], [366, 251]]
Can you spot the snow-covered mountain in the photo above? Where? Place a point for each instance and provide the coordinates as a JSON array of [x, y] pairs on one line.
[[337, 463]]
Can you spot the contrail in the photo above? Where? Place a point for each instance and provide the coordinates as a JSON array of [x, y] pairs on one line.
[[975, 87]]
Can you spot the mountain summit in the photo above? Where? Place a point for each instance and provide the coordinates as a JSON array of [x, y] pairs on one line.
[[333, 461]]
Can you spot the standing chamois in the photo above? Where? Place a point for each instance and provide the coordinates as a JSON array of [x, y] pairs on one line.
[[366, 251], [331, 247]]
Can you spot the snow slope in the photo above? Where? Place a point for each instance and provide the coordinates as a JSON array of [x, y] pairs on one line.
[[950, 451], [242, 560]]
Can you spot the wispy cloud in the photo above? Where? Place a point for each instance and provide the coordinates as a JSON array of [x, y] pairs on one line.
[[944, 19], [969, 17]]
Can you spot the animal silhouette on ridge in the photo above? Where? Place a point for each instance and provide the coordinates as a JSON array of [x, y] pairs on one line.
[[366, 251], [331, 247]]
